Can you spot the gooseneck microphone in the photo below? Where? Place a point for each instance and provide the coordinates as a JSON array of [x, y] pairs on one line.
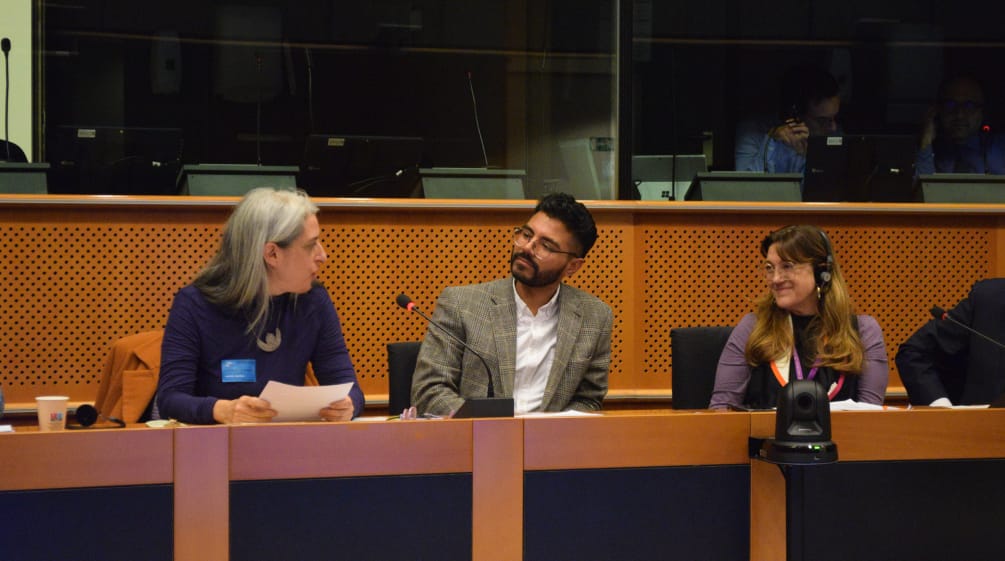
[[258, 109], [941, 314], [478, 126], [5, 46], [985, 142], [310, 90], [405, 302], [489, 406]]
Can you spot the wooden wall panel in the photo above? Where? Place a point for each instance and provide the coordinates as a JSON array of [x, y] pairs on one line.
[[75, 279], [705, 270], [81, 272], [376, 255]]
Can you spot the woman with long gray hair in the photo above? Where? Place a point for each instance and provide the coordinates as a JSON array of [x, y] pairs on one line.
[[255, 313]]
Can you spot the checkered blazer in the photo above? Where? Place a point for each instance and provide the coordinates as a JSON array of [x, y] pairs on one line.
[[484, 317]]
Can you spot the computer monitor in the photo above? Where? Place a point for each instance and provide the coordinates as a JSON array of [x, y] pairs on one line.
[[472, 183], [584, 180], [114, 160], [745, 186], [860, 167], [962, 188], [665, 177], [339, 165]]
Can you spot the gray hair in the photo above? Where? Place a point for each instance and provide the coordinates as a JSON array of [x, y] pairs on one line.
[[236, 277]]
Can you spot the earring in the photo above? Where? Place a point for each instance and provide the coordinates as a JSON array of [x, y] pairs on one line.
[[818, 292]]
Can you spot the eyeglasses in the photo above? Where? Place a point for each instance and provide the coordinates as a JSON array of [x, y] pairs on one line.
[[542, 249], [785, 270], [951, 105]]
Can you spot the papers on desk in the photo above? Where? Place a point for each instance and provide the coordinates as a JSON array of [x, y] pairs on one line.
[[6, 428], [301, 403], [569, 413], [852, 405]]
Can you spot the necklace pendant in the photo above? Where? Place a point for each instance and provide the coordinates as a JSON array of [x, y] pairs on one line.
[[271, 342]]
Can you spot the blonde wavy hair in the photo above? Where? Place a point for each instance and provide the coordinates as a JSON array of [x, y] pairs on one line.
[[837, 341]]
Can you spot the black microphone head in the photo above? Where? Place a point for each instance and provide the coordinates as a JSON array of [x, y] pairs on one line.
[[938, 312], [403, 300], [5, 45], [86, 415]]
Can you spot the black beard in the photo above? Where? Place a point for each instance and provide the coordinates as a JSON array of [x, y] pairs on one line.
[[536, 279]]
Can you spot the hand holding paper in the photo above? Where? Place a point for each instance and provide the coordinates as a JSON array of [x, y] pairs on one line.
[[304, 403]]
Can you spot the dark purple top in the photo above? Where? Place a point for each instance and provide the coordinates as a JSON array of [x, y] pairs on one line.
[[200, 335], [733, 372]]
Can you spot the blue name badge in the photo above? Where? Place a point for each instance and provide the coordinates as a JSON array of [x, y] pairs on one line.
[[242, 370]]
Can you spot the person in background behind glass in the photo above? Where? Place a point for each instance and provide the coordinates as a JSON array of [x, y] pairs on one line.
[[804, 327], [255, 313], [809, 103], [954, 136]]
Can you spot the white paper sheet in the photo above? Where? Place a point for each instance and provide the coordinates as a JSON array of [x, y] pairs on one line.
[[301, 403], [569, 413], [852, 405]]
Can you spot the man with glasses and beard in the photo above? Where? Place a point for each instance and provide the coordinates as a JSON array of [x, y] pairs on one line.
[[954, 137], [547, 344]]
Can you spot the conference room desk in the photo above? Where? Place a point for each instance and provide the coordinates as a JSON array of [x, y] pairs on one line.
[[625, 485], [920, 484], [618, 486], [87, 494]]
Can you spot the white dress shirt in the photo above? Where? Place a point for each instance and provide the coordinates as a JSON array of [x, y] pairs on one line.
[[536, 336]]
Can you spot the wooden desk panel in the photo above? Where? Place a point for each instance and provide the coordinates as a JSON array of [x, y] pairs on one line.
[[85, 458], [872, 439], [626, 440], [305, 450], [202, 462], [201, 493], [915, 434]]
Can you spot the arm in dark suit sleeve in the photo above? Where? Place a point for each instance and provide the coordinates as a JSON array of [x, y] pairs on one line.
[[438, 367], [934, 354], [593, 386]]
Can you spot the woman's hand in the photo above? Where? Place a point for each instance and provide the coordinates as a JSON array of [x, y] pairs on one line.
[[245, 409], [338, 410]]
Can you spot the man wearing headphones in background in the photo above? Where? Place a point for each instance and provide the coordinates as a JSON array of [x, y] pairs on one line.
[[809, 103], [954, 136]]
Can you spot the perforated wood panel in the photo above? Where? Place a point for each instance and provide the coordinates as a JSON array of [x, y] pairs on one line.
[[706, 272], [78, 277], [373, 259]]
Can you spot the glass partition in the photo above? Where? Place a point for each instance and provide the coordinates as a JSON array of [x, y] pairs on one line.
[[467, 99], [369, 98], [720, 78]]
